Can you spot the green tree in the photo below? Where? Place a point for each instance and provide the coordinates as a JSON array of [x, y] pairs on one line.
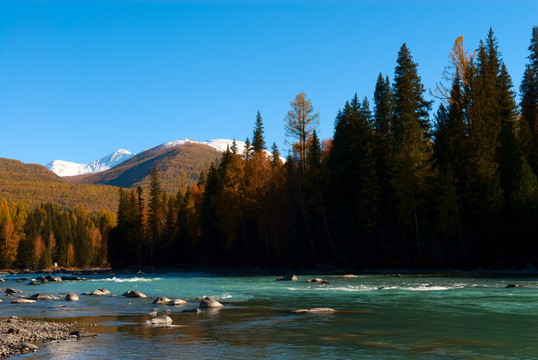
[[412, 149], [258, 142]]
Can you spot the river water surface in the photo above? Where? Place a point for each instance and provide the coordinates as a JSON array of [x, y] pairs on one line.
[[377, 317]]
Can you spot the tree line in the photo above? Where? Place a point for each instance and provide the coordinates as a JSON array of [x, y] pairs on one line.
[[394, 187], [38, 238]]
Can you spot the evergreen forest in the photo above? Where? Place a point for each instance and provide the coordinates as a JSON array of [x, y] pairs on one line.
[[400, 184]]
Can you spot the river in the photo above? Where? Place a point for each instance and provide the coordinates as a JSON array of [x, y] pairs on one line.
[[377, 317]]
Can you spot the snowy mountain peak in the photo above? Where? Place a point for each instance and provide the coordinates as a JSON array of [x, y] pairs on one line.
[[65, 168]]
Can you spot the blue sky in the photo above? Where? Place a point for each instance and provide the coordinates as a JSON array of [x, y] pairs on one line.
[[80, 79]]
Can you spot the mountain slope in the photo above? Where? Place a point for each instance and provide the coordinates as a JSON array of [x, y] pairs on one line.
[[177, 162], [66, 168], [35, 184]]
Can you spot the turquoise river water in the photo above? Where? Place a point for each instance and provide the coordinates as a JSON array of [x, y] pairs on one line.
[[377, 317]]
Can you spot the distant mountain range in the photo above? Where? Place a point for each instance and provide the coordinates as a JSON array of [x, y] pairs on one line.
[[179, 163], [65, 168]]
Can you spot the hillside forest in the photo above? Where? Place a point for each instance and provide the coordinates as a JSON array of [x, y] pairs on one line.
[[394, 187]]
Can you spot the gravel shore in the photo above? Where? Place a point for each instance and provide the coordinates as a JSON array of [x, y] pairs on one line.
[[19, 336]]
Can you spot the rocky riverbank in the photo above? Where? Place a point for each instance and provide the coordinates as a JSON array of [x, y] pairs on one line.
[[18, 336]]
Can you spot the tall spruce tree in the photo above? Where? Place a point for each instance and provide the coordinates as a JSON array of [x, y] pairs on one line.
[[529, 102], [411, 154], [258, 142]]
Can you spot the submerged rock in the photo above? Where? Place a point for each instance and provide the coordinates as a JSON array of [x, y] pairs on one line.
[[72, 297], [177, 302], [81, 334], [349, 276], [209, 302], [162, 300], [22, 301], [159, 321], [43, 297], [192, 310], [10, 291], [509, 286], [287, 278], [314, 311], [133, 294], [318, 280]]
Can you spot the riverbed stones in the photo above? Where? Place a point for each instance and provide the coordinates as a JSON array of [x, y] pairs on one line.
[[17, 334], [72, 297], [162, 300], [209, 302], [287, 278], [43, 297], [133, 294]]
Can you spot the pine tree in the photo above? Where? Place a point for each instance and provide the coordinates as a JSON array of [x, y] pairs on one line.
[[155, 214], [247, 153], [258, 142], [412, 149], [529, 102], [408, 92], [275, 156]]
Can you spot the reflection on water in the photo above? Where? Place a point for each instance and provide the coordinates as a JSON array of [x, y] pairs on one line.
[[377, 317]]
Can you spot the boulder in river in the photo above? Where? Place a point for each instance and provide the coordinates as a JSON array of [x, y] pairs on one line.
[[2, 280], [177, 302], [510, 286], [162, 300], [192, 310], [43, 297], [209, 302], [314, 311], [53, 278], [33, 283], [10, 291], [318, 280], [133, 294], [163, 320], [100, 292], [287, 278], [72, 297], [349, 276], [22, 301]]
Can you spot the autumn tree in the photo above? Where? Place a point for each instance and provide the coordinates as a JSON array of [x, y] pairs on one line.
[[299, 124]]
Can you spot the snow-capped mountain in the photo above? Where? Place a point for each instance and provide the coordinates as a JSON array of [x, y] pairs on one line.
[[66, 168], [219, 144]]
